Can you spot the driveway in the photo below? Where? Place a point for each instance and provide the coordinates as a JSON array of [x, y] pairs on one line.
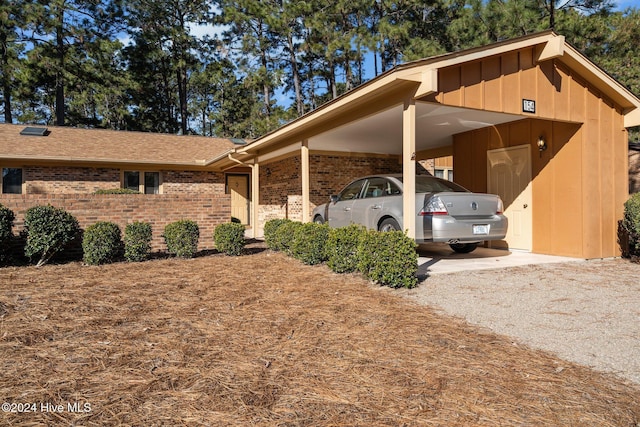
[[438, 259]]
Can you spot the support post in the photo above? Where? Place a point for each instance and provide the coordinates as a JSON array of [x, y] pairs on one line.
[[409, 167], [304, 154], [255, 198]]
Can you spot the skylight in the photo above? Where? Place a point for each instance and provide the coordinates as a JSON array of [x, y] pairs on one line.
[[34, 131]]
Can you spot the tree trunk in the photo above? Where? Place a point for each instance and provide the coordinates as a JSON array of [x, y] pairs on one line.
[[6, 82], [296, 76], [60, 110]]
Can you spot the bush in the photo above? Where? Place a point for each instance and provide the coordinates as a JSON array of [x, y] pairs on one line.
[[285, 236], [137, 241], [48, 231], [309, 243], [117, 191], [182, 237], [388, 258], [102, 243], [631, 225], [342, 248], [229, 238], [270, 232], [6, 224]]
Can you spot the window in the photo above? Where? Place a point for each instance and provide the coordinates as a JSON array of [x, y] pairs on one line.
[[352, 191], [12, 180], [444, 173], [144, 182]]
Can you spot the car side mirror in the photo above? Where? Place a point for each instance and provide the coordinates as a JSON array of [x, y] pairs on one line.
[[333, 198]]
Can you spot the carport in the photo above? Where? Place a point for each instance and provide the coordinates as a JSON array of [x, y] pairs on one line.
[[530, 119]]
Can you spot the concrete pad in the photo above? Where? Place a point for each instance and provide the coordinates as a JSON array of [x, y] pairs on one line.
[[439, 259]]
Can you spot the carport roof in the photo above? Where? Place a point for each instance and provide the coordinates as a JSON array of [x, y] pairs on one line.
[[373, 111]]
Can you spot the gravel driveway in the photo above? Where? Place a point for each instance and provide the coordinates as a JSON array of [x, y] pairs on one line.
[[585, 312]]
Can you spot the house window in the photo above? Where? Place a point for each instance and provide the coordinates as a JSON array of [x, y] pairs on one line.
[[144, 182], [12, 180], [444, 173]]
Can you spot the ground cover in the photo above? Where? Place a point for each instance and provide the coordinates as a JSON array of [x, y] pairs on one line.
[[264, 340]]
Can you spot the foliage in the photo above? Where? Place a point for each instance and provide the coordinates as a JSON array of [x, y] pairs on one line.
[[388, 258], [6, 224], [181, 238], [271, 236], [48, 231], [309, 243], [117, 191], [102, 243], [342, 248], [137, 241], [631, 224], [285, 236], [229, 238]]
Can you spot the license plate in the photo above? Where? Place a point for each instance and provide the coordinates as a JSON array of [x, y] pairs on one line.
[[481, 229]]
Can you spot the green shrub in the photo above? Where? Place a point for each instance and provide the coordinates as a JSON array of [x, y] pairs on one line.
[[309, 243], [342, 248], [182, 237], [388, 258], [117, 191], [229, 238], [102, 243], [270, 232], [285, 236], [137, 241], [6, 224], [631, 224], [48, 230]]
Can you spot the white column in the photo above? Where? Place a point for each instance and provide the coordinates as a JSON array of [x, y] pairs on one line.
[[255, 199], [409, 167], [304, 154]]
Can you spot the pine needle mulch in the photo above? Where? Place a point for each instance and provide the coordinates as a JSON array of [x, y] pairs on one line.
[[263, 340]]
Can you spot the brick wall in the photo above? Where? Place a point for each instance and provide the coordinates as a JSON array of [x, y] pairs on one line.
[[281, 182], [85, 180], [66, 180], [207, 210]]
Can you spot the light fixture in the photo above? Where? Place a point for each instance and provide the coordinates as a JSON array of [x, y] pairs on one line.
[[542, 144]]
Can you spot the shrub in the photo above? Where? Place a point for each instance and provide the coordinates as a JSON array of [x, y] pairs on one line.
[[285, 236], [48, 231], [270, 232], [229, 238], [182, 237], [631, 224], [6, 224], [309, 243], [117, 191], [388, 258], [102, 243], [342, 248], [137, 241]]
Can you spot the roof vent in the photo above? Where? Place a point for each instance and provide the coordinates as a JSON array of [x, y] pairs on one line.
[[238, 141], [34, 131]]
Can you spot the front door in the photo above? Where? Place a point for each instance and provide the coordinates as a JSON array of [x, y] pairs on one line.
[[238, 186], [509, 176]]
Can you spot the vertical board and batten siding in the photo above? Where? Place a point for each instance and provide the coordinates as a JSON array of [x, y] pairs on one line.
[[580, 181]]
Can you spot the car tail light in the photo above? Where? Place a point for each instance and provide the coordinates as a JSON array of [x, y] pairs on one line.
[[434, 206], [500, 207]]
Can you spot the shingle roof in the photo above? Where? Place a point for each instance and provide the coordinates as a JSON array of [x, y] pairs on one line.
[[66, 144]]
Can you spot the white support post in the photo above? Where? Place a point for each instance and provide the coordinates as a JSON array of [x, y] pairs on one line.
[[409, 167], [304, 154], [255, 198]]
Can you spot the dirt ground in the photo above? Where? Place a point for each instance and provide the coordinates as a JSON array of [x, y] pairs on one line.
[[263, 340]]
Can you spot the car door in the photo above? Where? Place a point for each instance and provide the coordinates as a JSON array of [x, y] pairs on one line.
[[368, 208], [339, 214]]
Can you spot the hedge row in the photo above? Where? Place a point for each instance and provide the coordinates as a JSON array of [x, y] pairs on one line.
[[630, 227], [388, 259], [49, 230]]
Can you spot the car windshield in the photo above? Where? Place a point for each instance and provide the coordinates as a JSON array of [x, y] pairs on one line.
[[430, 184]]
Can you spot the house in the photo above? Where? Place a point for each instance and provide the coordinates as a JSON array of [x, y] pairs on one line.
[[530, 119]]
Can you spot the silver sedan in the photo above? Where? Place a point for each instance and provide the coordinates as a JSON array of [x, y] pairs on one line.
[[446, 211]]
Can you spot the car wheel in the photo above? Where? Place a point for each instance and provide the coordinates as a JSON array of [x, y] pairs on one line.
[[464, 248], [389, 224], [318, 219]]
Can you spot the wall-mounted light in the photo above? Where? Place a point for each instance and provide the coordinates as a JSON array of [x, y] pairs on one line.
[[268, 171], [542, 144]]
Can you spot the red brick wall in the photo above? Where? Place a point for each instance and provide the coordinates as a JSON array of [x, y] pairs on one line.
[[159, 210], [193, 182], [65, 180]]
